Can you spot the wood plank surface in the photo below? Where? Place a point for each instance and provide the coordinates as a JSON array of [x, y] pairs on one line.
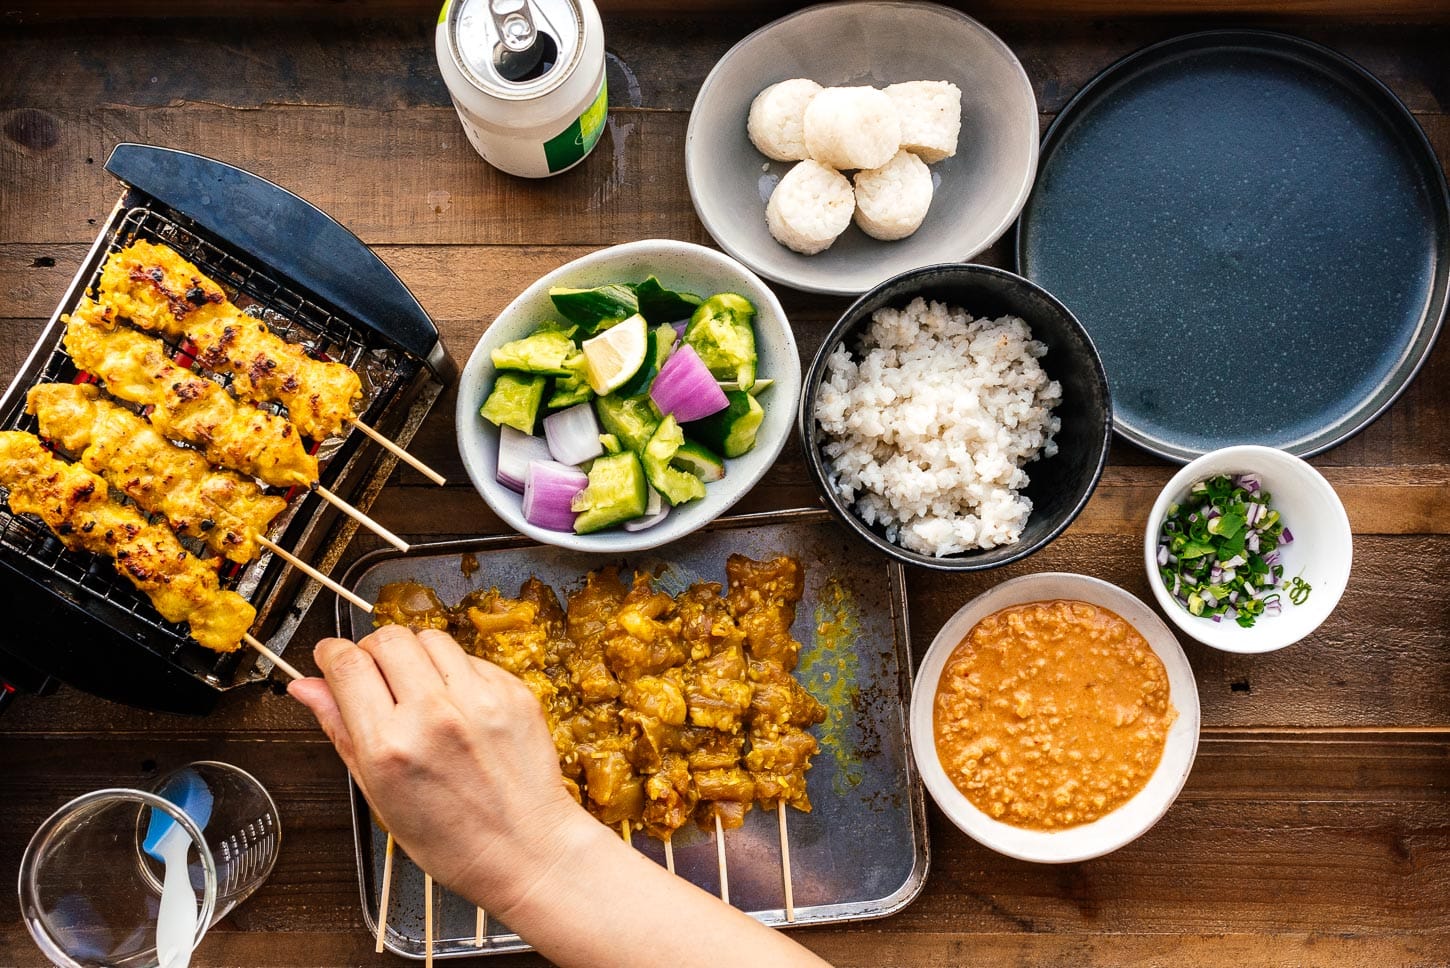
[[1315, 827]]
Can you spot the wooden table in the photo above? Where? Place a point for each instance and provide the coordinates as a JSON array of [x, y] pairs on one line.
[[1315, 828]]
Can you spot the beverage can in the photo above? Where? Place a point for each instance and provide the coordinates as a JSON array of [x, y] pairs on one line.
[[527, 80]]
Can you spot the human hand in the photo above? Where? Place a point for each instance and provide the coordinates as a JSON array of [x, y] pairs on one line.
[[452, 753]]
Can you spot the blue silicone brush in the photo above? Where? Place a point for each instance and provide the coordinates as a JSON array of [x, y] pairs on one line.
[[169, 843]]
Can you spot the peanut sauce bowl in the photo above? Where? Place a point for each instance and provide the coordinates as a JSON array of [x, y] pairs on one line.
[[1128, 821]]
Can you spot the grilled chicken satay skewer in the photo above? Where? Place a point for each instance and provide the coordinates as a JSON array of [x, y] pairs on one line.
[[228, 512], [75, 504], [156, 289], [191, 408]]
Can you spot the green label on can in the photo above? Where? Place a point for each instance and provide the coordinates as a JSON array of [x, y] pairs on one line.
[[577, 140]]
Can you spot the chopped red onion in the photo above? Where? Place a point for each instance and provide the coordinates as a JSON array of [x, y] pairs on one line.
[[515, 450], [1287, 537], [686, 388], [573, 434], [1252, 541], [549, 489], [1162, 555]]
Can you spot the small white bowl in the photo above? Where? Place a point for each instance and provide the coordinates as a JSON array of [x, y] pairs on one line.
[[1321, 552], [1127, 822], [678, 265]]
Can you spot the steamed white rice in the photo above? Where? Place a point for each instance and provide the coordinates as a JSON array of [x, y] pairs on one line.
[[930, 422]]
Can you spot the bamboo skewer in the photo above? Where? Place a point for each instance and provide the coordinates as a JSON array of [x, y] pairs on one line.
[[402, 455], [624, 831], [361, 518], [785, 862], [267, 653], [670, 854], [428, 919], [387, 890], [313, 573], [480, 928], [720, 854]]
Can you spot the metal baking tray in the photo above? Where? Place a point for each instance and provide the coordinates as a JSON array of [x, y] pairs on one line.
[[860, 854]]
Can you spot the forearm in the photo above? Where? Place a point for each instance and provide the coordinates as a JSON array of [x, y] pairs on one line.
[[639, 915]]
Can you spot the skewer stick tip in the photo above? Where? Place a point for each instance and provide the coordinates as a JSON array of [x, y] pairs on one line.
[[669, 854], [314, 574], [362, 519], [480, 928], [271, 656], [720, 855], [386, 891], [428, 919], [397, 451], [785, 863]]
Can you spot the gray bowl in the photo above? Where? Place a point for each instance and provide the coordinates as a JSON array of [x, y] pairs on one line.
[[980, 190], [1060, 485]]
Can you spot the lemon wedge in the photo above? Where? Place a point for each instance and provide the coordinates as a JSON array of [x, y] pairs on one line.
[[616, 354]]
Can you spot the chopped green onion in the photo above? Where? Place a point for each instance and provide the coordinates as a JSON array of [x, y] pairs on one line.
[[1218, 552]]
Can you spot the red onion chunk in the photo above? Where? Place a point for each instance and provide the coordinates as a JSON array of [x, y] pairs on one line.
[[549, 489], [573, 434], [515, 450], [686, 388]]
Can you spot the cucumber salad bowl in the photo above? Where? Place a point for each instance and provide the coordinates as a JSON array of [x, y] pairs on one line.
[[629, 397]]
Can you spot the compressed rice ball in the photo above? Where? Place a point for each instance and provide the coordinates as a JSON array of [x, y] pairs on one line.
[[852, 127], [810, 207], [891, 201], [930, 115], [777, 119]]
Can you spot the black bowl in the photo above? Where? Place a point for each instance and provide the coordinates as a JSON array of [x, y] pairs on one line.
[[1060, 485]]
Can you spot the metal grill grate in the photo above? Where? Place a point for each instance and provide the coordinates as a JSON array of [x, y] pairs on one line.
[[86, 580]]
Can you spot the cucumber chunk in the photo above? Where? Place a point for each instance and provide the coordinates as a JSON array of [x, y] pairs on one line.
[[661, 305], [547, 350], [515, 401], [675, 486], [617, 492], [592, 307], [699, 460], [720, 331], [732, 431], [632, 419], [573, 388]]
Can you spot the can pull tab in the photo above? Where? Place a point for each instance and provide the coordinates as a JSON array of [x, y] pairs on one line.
[[517, 52]]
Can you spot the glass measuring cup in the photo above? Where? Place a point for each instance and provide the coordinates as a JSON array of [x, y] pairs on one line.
[[90, 893]]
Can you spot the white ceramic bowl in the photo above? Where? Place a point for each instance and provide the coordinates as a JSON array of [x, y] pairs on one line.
[[1321, 552], [979, 190], [1124, 824], [679, 265]]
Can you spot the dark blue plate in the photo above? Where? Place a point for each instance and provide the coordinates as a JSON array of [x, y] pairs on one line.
[[1256, 234]]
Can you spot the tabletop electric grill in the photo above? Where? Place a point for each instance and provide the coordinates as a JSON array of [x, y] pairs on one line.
[[70, 616]]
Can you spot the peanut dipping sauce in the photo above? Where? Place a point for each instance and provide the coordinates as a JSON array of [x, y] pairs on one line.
[[1052, 714]]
